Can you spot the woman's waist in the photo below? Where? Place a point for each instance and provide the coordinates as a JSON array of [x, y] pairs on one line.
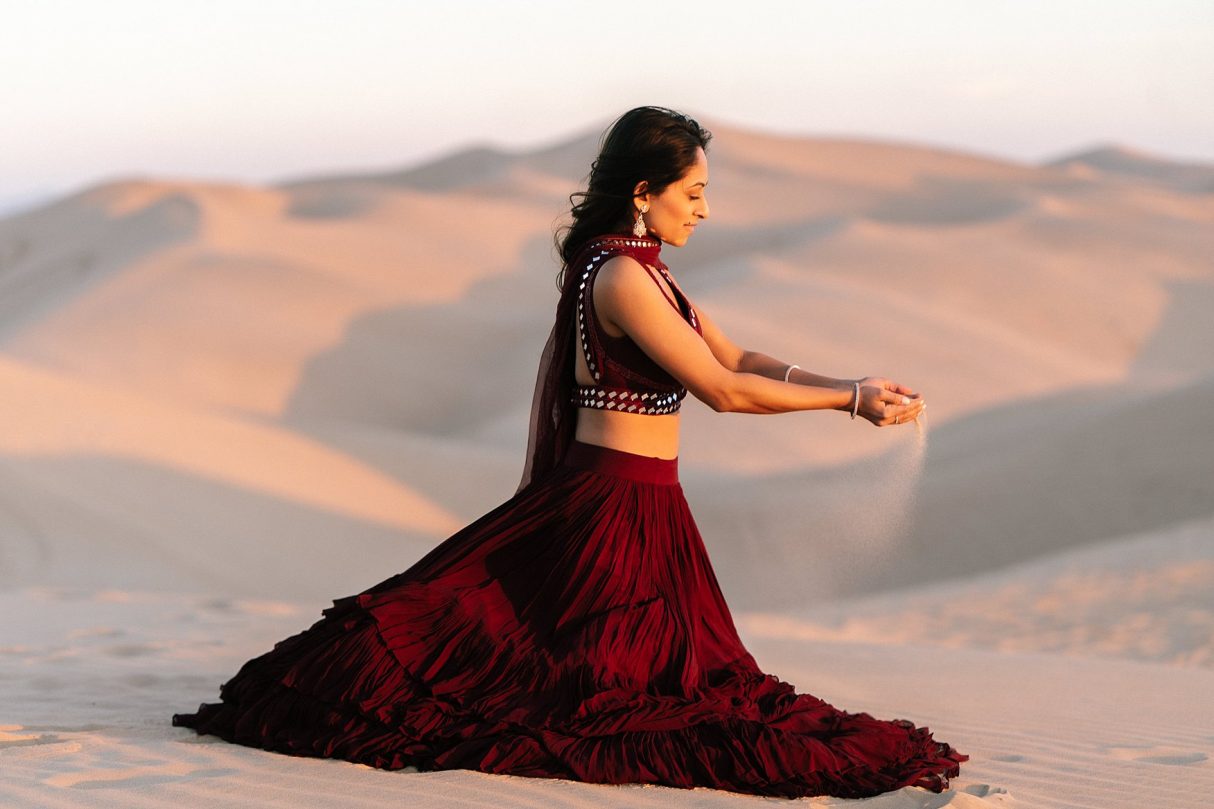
[[650, 435], [611, 460]]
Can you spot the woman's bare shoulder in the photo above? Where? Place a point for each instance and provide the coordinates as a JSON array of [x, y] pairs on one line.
[[625, 271]]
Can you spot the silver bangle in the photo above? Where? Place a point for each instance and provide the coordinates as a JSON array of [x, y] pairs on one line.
[[856, 406], [788, 371]]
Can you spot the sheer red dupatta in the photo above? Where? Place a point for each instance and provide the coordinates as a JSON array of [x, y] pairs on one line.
[[553, 413]]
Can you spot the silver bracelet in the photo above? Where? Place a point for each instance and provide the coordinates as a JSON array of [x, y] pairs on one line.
[[856, 406], [788, 371]]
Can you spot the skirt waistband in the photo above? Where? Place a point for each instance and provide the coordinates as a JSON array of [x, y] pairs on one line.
[[644, 468]]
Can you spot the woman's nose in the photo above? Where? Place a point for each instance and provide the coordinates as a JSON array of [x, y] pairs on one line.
[[703, 212]]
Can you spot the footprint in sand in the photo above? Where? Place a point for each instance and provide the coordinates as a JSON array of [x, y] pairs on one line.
[[134, 777], [14, 744], [96, 632], [249, 606], [983, 790], [132, 649], [1157, 754], [217, 604], [1008, 757]]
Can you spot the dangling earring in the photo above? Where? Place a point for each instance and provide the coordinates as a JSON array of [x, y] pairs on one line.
[[639, 229]]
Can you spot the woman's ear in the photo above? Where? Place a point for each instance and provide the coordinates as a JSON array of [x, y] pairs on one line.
[[641, 191]]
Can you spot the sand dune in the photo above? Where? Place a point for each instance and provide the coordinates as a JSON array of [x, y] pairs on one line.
[[1146, 596], [129, 491], [226, 404], [1196, 178]]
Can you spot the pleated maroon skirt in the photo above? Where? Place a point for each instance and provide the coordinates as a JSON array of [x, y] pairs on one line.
[[575, 631]]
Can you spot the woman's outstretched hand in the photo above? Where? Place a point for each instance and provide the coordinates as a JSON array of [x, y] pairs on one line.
[[884, 402]]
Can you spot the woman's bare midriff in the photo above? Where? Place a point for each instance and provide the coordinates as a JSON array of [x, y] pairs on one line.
[[655, 436], [629, 432]]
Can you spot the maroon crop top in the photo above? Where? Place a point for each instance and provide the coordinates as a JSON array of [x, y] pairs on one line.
[[626, 379]]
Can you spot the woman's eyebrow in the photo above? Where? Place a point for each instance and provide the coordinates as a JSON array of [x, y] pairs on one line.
[[701, 182]]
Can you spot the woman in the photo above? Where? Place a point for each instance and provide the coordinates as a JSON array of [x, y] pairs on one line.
[[578, 630]]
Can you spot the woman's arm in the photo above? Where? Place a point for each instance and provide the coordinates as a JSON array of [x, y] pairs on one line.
[[754, 362], [710, 368]]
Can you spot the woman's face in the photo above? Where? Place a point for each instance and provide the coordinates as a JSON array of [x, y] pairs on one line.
[[673, 213]]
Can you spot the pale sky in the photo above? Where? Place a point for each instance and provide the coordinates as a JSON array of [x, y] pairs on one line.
[[260, 90]]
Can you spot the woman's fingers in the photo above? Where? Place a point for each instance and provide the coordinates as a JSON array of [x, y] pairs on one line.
[[905, 413], [903, 390], [894, 397], [895, 404], [899, 409]]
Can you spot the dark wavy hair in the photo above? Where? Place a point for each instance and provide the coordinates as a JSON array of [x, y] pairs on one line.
[[646, 143]]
